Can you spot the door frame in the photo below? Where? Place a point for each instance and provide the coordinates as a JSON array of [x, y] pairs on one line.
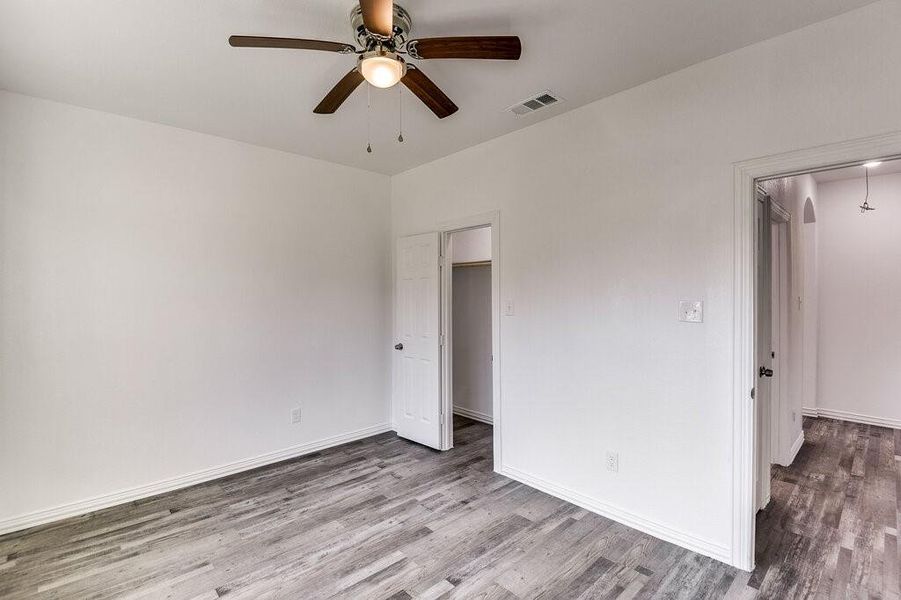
[[746, 174], [490, 219]]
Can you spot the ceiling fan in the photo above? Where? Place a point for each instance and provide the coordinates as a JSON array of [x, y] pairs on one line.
[[382, 29]]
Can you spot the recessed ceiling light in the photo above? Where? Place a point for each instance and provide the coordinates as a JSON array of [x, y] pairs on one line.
[[872, 164]]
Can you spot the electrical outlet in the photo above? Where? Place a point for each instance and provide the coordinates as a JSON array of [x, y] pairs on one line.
[[613, 462], [794, 416], [295, 415]]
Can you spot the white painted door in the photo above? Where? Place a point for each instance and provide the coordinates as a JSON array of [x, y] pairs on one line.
[[775, 338], [779, 307], [417, 356], [764, 346]]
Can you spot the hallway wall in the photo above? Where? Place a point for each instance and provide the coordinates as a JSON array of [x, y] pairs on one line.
[[859, 298]]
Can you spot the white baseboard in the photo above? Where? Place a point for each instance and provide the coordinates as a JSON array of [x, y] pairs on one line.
[[475, 415], [796, 447], [686, 540], [82, 507], [842, 415]]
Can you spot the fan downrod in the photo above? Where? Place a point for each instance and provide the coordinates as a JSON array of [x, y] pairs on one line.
[[403, 25]]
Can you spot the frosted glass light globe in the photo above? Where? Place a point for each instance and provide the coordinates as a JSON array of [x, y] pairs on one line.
[[382, 70]]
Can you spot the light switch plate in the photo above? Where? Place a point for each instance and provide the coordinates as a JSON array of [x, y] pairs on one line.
[[509, 309], [691, 311]]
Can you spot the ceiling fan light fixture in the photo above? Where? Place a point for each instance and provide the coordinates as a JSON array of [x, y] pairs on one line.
[[382, 29], [382, 69]]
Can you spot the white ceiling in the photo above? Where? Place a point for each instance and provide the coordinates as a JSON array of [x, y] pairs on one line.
[[886, 168], [168, 61]]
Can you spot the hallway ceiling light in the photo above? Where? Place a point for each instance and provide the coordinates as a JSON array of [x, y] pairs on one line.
[[872, 164], [865, 207]]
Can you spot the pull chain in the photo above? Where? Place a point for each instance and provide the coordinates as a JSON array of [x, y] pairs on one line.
[[400, 114], [368, 119]]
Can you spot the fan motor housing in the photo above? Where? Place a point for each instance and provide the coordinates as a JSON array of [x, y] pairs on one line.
[[402, 26]]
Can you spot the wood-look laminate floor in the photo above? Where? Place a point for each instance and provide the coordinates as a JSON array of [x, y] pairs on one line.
[[831, 528], [384, 518]]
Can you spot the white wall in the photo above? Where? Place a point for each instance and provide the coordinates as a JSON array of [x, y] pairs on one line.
[[612, 213], [167, 297], [860, 295], [472, 377], [471, 245]]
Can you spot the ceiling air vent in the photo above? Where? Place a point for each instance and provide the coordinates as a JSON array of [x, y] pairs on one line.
[[536, 102]]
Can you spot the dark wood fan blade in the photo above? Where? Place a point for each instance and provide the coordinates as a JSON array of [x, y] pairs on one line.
[[378, 16], [253, 41], [430, 94], [339, 93], [505, 47]]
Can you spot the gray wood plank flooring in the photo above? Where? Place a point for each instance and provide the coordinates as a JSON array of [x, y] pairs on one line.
[[385, 518], [831, 528]]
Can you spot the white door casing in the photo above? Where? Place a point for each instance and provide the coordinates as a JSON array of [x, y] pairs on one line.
[[417, 355], [492, 220], [746, 175]]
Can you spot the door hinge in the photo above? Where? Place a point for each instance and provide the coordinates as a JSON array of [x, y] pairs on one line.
[[441, 419], [441, 340], [752, 393]]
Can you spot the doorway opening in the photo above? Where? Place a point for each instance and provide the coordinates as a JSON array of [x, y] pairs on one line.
[[467, 327], [811, 286], [424, 401]]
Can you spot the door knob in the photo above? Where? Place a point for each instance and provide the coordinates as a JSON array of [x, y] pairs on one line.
[[764, 372], [398, 346]]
